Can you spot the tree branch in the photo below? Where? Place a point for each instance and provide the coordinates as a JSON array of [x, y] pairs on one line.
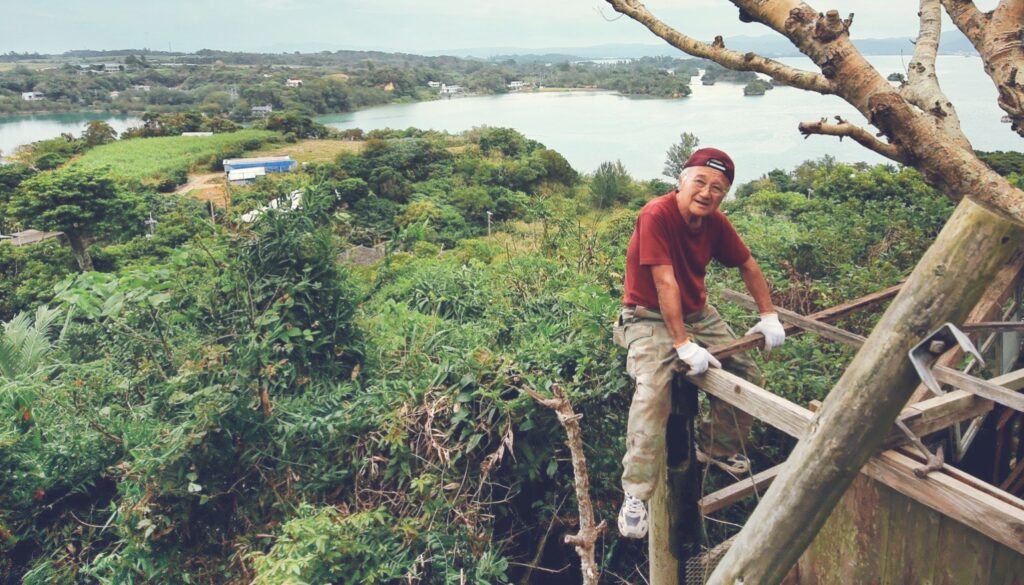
[[922, 87], [997, 38], [966, 16], [735, 60], [586, 538], [844, 129]]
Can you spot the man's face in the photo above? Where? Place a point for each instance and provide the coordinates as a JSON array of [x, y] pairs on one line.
[[701, 191]]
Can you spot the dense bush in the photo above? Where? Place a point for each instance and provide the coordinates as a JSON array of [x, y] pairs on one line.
[[230, 404]]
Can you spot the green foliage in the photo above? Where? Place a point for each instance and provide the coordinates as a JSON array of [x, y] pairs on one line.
[[75, 201], [678, 154], [25, 343], [229, 403], [1002, 162], [98, 133], [611, 184], [164, 161]]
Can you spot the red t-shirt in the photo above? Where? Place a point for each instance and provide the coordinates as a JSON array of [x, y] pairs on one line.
[[662, 237]]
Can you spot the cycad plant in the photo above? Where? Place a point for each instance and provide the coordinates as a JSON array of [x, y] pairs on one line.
[[26, 343]]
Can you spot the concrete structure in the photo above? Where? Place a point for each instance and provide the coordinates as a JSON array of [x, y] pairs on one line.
[[517, 85], [24, 238], [141, 87], [262, 111], [293, 201], [293, 83], [33, 96], [197, 134], [272, 164], [246, 176], [434, 84], [450, 90]]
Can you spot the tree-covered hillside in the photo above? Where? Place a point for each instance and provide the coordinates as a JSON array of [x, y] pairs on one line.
[[231, 403]]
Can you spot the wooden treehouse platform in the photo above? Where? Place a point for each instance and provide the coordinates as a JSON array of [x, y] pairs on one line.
[[902, 521]]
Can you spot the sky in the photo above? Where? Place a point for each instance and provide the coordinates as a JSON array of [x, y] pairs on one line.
[[412, 26]]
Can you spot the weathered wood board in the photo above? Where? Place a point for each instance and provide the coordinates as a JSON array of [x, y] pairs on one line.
[[878, 536]]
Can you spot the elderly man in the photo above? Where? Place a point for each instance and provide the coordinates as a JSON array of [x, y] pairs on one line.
[[666, 317]]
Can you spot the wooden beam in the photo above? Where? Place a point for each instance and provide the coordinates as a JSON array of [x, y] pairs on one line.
[[922, 418], [951, 497], [823, 329], [729, 495], [935, 414], [983, 388], [992, 326], [831, 314], [780, 413]]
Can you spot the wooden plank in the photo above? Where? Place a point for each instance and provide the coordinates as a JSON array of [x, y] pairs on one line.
[[913, 534], [1007, 567], [868, 504], [731, 494], [967, 479], [992, 326], [831, 314], [823, 329], [995, 518], [963, 555], [940, 412], [983, 388], [751, 398]]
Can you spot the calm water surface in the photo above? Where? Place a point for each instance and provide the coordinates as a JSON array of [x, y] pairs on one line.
[[759, 132], [591, 127], [18, 130]]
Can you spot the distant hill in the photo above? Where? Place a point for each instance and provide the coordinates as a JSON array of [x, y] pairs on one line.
[[771, 46]]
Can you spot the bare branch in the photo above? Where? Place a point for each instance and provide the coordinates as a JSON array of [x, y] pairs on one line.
[[997, 37], [725, 57], [922, 87], [844, 129], [586, 539], [968, 19]]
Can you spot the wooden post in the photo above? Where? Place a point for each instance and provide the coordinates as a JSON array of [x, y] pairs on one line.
[[677, 532], [858, 413]]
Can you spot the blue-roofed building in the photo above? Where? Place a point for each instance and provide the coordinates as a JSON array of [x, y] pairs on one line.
[[273, 164]]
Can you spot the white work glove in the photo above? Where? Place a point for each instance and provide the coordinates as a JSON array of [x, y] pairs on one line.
[[773, 331], [696, 357]]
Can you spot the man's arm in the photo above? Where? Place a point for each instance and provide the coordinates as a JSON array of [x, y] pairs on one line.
[[670, 303], [756, 284], [769, 326]]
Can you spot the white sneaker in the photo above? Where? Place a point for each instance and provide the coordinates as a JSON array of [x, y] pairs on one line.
[[633, 518]]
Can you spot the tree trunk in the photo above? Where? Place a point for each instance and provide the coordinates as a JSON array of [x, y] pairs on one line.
[[78, 249], [860, 410]]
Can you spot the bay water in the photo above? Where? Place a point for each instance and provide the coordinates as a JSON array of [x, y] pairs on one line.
[[590, 127]]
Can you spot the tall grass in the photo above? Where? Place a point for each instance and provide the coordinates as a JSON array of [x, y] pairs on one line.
[[165, 161]]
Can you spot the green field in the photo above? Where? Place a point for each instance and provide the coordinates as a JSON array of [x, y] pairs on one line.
[[166, 161]]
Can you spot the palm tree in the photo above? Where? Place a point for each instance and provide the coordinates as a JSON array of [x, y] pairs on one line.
[[25, 343]]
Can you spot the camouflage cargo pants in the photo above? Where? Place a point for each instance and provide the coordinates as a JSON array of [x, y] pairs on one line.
[[651, 361]]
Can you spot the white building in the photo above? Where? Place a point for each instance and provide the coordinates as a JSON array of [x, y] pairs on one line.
[[33, 96], [114, 67], [450, 90], [246, 176], [262, 111], [434, 84], [115, 94], [517, 85], [140, 87], [293, 83]]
